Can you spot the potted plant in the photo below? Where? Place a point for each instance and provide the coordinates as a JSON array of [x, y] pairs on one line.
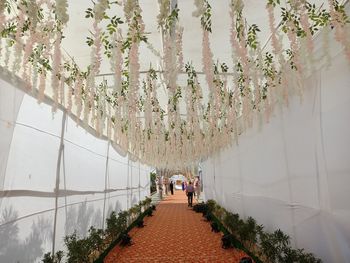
[[149, 212], [231, 221], [215, 227], [273, 245], [226, 241], [78, 250], [48, 258], [112, 229], [96, 241], [140, 223], [125, 240], [248, 232]]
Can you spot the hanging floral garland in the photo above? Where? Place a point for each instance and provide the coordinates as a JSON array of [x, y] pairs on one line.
[[128, 111]]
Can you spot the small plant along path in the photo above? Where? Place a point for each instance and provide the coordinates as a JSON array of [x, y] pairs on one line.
[[175, 233]]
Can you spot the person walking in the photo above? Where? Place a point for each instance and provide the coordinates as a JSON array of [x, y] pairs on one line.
[[171, 187], [166, 185], [189, 193], [197, 187]]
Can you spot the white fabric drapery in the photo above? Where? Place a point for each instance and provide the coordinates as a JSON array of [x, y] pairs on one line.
[[293, 173], [94, 178]]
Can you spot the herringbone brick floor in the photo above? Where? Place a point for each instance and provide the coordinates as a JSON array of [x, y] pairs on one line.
[[174, 234]]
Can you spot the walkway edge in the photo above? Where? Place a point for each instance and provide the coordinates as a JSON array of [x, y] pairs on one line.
[[105, 253]]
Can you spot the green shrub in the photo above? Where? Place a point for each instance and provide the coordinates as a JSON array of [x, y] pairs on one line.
[[95, 238], [274, 244], [48, 258], [211, 205], [304, 257], [231, 221], [200, 208], [215, 227], [289, 255], [140, 223], [248, 231], [78, 249], [208, 216], [122, 221], [226, 241], [149, 212], [112, 229], [125, 240], [273, 247]]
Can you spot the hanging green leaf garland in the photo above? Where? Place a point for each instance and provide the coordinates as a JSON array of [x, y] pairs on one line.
[[128, 110]]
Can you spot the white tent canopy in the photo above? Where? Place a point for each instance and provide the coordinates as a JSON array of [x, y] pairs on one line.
[[93, 178], [293, 173], [264, 110]]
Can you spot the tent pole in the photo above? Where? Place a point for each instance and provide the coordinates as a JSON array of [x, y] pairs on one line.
[[131, 186], [65, 186], [58, 170], [105, 192], [127, 185], [139, 183]]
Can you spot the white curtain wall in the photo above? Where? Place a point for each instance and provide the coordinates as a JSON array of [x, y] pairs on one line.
[[293, 173], [38, 151]]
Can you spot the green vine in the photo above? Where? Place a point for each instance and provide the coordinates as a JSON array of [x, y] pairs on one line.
[[171, 19], [206, 17]]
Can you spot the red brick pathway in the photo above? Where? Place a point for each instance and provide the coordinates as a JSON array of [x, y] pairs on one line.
[[174, 234]]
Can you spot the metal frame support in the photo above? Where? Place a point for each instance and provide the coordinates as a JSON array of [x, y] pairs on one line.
[[57, 185], [106, 184]]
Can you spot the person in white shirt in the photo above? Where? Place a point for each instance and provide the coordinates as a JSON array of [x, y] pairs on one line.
[[197, 187]]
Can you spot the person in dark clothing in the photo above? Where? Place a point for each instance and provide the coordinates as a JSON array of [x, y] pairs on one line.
[[172, 187], [189, 193], [183, 186]]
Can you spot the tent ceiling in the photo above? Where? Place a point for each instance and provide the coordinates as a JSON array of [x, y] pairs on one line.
[[172, 119], [78, 29]]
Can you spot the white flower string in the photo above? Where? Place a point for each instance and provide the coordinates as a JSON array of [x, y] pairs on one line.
[[325, 46], [164, 9], [341, 28], [26, 65], [207, 60], [62, 11], [56, 69], [18, 43], [78, 92], [132, 116], [117, 63], [179, 48]]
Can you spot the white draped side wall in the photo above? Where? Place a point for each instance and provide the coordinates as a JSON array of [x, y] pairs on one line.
[[294, 172], [93, 178]]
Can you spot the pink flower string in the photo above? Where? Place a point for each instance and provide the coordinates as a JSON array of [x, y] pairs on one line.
[[276, 44], [296, 57], [78, 93], [340, 30], [56, 70], [18, 41], [27, 51], [117, 64], [134, 69], [207, 60], [304, 21], [325, 46], [2, 23], [42, 85], [69, 97], [180, 59]]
